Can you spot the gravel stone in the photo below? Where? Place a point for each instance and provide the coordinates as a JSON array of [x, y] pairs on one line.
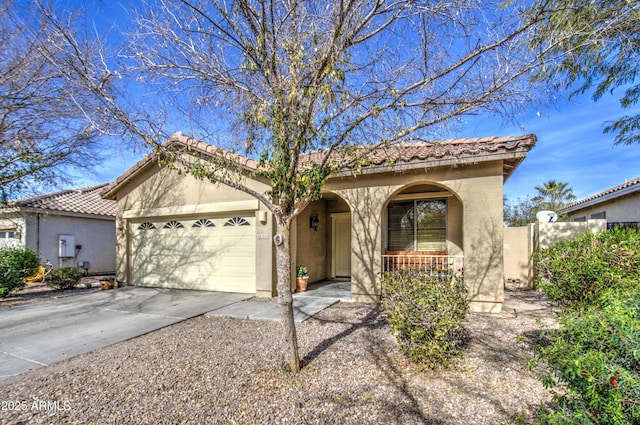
[[215, 370]]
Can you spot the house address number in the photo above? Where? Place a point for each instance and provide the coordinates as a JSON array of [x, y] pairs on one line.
[[264, 236]]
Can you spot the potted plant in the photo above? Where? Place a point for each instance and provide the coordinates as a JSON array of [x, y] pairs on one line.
[[302, 277]]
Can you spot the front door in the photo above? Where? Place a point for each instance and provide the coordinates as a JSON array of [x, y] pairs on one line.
[[341, 245]]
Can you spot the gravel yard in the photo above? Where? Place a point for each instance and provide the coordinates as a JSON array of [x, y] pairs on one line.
[[37, 292], [220, 370]]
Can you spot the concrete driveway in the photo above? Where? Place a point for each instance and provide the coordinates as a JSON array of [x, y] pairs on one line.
[[36, 335]]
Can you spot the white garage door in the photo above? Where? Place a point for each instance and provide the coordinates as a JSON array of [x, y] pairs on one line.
[[207, 253]]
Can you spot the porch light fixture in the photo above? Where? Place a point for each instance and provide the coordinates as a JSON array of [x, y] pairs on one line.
[[314, 221], [262, 217]]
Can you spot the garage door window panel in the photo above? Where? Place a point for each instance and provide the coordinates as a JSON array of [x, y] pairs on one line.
[[174, 224], [203, 223], [237, 221]]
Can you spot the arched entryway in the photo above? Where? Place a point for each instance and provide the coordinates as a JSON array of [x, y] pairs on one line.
[[423, 229]]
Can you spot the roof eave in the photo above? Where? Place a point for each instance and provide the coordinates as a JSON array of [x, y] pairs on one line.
[[48, 211], [509, 168], [601, 199], [111, 191], [517, 156]]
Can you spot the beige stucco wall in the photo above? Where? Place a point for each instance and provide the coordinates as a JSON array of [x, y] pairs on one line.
[[161, 191], [311, 248], [518, 246], [521, 242], [623, 209], [96, 236], [549, 234], [478, 189]]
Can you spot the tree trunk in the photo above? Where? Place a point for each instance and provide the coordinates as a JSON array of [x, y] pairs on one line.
[[285, 300]]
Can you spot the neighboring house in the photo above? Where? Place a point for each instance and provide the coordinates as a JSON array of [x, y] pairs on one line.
[[67, 228], [440, 204], [619, 205]]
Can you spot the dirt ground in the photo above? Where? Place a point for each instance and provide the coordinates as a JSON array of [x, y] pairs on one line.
[[36, 292]]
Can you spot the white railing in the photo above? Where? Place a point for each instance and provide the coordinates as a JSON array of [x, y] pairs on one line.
[[429, 264]]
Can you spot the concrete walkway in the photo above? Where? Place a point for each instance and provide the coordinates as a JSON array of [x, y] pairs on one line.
[[305, 304]]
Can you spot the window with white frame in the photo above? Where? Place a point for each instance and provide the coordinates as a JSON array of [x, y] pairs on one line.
[[417, 225], [8, 234]]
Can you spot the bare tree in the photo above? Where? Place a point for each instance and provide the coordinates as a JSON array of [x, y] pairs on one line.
[[307, 88], [46, 122], [597, 44]]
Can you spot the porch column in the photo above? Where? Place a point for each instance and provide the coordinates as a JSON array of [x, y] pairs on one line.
[[483, 236], [366, 239]]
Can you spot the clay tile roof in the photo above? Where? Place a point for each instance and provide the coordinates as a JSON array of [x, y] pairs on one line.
[[621, 189], [177, 139], [466, 149], [206, 148], [86, 200], [445, 151], [420, 151]]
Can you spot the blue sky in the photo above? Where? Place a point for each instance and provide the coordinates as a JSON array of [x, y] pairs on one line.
[[571, 148]]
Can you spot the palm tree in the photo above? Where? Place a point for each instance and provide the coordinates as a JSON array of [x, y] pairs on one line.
[[553, 195]]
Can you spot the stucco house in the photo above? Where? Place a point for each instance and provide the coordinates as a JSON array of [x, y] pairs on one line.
[[68, 228], [439, 203], [619, 205]]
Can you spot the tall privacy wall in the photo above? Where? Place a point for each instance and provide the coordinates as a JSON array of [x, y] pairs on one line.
[[521, 242]]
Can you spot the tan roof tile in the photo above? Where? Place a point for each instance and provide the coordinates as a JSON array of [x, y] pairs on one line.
[[406, 153], [86, 200], [633, 185], [439, 149]]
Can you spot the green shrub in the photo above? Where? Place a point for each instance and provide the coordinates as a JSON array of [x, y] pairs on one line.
[[16, 264], [425, 314], [595, 357], [575, 273], [64, 277]]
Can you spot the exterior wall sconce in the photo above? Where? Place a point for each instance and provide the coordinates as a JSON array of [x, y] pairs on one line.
[[314, 221], [262, 217]]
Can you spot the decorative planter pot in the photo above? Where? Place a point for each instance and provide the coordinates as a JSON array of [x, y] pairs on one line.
[[301, 284]]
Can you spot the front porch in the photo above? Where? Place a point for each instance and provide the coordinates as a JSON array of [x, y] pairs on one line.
[[339, 289]]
